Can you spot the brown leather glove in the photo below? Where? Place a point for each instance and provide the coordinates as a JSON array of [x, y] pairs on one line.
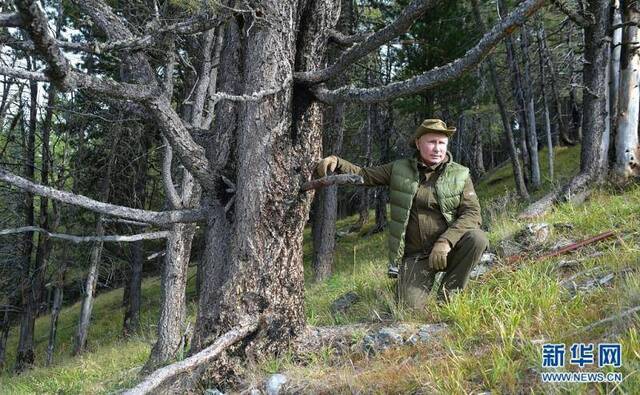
[[327, 164], [438, 256]]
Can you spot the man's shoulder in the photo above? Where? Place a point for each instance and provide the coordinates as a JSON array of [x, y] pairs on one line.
[[457, 166]]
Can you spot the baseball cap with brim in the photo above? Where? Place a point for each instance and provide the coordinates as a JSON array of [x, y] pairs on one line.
[[434, 126]]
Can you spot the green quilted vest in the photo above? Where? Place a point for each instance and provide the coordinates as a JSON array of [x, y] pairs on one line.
[[402, 189]]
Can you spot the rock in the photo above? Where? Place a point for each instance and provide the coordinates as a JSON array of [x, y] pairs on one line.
[[486, 262], [508, 247], [389, 337], [385, 338], [534, 234], [275, 383], [426, 333], [212, 391], [343, 303]]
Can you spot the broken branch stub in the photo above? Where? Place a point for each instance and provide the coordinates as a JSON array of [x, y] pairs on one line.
[[336, 179]]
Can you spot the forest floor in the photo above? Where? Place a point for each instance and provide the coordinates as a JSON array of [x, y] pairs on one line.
[[495, 329]]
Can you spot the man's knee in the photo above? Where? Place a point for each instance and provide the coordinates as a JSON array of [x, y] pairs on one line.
[[476, 239]]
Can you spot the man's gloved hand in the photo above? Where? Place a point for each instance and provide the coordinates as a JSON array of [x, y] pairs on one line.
[[327, 164], [438, 257]]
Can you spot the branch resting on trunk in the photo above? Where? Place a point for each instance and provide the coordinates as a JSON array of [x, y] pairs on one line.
[[152, 217], [83, 239], [336, 179], [438, 75], [161, 376]]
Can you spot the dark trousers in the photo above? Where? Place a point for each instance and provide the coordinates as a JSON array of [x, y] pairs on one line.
[[416, 277]]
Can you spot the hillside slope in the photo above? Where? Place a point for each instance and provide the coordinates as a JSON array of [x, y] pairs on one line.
[[496, 328]]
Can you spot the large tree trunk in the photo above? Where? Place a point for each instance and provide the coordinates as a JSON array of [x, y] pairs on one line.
[[324, 224], [25, 356], [258, 273], [597, 53], [518, 177], [614, 69], [627, 136]]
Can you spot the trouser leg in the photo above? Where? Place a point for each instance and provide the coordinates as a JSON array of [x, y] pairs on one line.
[[462, 258], [415, 281]]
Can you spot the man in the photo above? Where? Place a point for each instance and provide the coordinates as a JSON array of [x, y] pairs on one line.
[[435, 214]]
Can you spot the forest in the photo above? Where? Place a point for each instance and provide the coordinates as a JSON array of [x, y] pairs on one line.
[[165, 227]]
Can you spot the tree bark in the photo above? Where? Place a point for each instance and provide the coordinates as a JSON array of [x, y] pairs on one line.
[[627, 137], [597, 54], [324, 224], [259, 271]]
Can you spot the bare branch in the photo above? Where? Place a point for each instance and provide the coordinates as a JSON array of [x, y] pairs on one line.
[[412, 12], [24, 74], [336, 179], [12, 19], [152, 217], [124, 221], [35, 22], [84, 239], [343, 39], [583, 21], [155, 380], [169, 188], [197, 24], [438, 75], [77, 80]]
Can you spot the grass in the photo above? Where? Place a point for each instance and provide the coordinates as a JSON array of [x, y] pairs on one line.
[[497, 326]]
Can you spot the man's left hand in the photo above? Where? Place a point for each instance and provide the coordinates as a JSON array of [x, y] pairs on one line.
[[438, 257]]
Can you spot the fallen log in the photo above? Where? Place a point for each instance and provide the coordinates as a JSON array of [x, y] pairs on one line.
[[155, 380], [571, 247], [336, 179]]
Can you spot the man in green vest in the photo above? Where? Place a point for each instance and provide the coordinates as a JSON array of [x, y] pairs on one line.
[[435, 214]]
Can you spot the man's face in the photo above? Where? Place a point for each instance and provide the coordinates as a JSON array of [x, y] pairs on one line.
[[432, 147]]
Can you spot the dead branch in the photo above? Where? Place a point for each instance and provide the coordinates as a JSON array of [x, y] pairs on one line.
[[579, 19], [412, 12], [567, 249], [616, 317], [336, 179], [35, 22], [574, 189], [85, 239], [152, 217], [438, 75], [343, 39], [160, 376], [124, 221], [169, 188]]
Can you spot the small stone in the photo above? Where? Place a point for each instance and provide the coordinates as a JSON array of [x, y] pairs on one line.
[[213, 391], [275, 383]]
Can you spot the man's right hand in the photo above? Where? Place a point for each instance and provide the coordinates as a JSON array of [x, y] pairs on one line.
[[327, 164]]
